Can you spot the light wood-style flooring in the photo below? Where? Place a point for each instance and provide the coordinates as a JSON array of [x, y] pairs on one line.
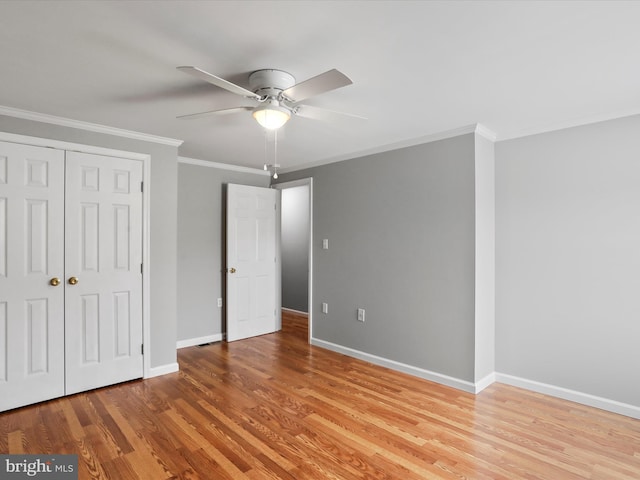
[[274, 407]]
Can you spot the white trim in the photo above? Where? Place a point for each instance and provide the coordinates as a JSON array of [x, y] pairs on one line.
[[72, 147], [576, 122], [146, 266], [278, 259], [163, 370], [485, 382], [310, 294], [609, 405], [223, 166], [190, 342], [398, 366], [485, 132], [293, 310], [293, 183], [91, 127], [410, 142]]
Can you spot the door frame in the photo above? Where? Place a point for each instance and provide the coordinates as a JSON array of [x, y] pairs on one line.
[[282, 186], [146, 197]]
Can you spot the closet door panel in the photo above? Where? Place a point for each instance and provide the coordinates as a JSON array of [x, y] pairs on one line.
[[31, 258], [104, 254]]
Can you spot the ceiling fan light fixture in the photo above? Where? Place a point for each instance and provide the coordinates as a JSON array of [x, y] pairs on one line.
[[271, 116]]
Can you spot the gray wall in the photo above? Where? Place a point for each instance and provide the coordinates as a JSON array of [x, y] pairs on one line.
[[295, 247], [400, 226], [568, 259], [163, 222], [200, 245]]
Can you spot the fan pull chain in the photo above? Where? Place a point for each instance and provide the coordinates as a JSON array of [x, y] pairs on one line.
[[275, 154], [266, 167], [269, 166]]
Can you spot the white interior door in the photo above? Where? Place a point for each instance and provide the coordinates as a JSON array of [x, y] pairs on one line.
[[103, 261], [31, 257], [251, 261]]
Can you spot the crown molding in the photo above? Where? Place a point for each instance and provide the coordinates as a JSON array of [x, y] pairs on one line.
[[485, 132], [410, 142], [74, 147], [576, 122], [222, 166], [91, 127]]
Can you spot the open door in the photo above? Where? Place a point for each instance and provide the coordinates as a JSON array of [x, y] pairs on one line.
[[252, 263]]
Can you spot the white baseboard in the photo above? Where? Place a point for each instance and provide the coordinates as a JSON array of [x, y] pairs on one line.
[[162, 370], [571, 395], [485, 382], [609, 405], [400, 367], [295, 311], [190, 342]]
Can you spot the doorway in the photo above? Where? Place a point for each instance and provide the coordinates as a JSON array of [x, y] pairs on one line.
[[296, 240]]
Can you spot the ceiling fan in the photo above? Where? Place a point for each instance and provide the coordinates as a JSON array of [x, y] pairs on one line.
[[277, 95]]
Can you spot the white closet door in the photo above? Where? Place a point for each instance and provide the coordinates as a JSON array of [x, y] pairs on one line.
[[104, 253], [251, 261], [31, 257]]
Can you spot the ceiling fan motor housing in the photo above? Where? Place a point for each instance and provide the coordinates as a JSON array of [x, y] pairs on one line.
[[270, 82]]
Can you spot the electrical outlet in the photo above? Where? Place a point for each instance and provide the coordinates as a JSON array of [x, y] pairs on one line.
[[325, 244], [361, 314], [219, 302], [325, 307]]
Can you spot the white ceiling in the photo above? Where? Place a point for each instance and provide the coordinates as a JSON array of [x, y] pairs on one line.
[[418, 67]]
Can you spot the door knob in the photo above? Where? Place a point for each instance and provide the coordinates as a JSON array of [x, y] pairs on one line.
[[73, 280], [232, 270], [54, 282]]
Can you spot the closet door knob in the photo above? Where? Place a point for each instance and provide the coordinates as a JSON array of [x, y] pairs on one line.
[[73, 280], [232, 270], [54, 282]]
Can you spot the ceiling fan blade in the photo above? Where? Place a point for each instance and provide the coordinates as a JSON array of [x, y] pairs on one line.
[[217, 81], [317, 113], [224, 111], [316, 85]]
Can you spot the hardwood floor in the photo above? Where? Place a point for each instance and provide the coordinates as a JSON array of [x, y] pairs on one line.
[[274, 407]]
